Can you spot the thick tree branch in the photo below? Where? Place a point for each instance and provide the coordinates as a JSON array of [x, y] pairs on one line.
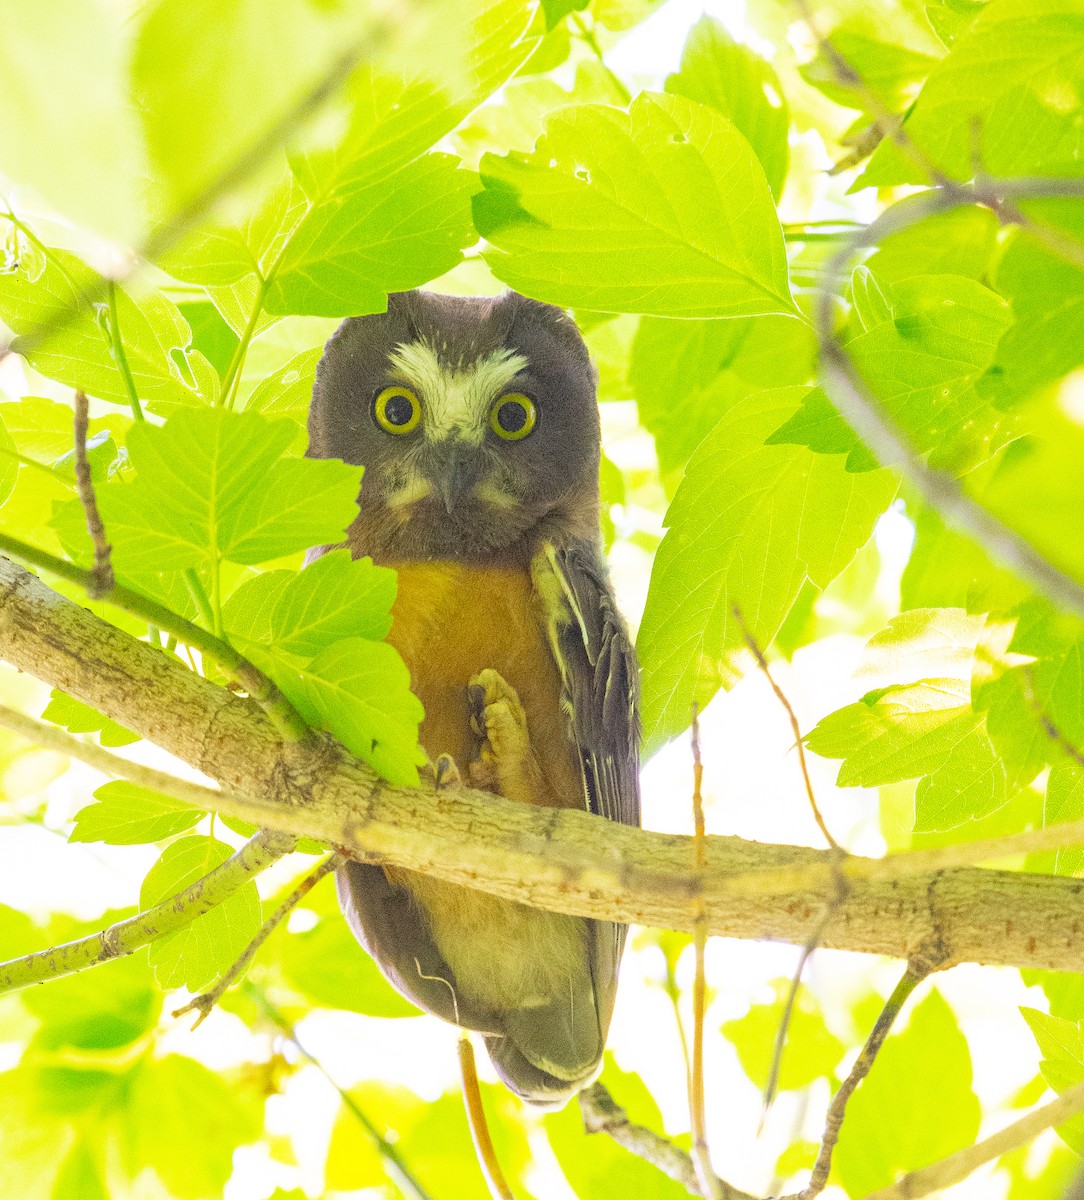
[[128, 936], [559, 859], [254, 681]]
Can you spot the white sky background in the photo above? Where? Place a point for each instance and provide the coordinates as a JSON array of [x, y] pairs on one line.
[[752, 788]]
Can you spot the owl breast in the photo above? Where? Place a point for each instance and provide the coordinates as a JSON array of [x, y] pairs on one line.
[[453, 620]]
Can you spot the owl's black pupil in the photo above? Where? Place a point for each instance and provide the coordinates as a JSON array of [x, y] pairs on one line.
[[399, 410], [512, 416]]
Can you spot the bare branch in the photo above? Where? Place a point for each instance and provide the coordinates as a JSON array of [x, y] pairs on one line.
[[602, 1114], [958, 1166], [206, 1001], [100, 579], [915, 973], [562, 860], [796, 729], [128, 936]]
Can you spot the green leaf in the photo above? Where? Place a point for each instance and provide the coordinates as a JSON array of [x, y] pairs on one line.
[[128, 815], [354, 984], [79, 1176], [202, 951], [750, 523], [1047, 297], [921, 729], [598, 1168], [9, 466], [811, 1051], [958, 242], [1039, 491], [924, 643], [663, 209], [212, 78], [722, 73], [924, 345], [111, 1007], [687, 374], [432, 1136], [77, 717], [287, 392], [360, 692], [890, 74], [214, 485], [1015, 75], [376, 236], [35, 1139], [157, 340], [185, 1121], [1065, 802], [1062, 1046], [557, 10], [62, 69], [923, 1079], [335, 597]]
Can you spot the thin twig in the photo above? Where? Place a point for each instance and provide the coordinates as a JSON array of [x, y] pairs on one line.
[[799, 741], [862, 410], [154, 923], [602, 1114], [912, 977], [206, 1001], [779, 1046], [278, 708], [479, 1127], [394, 1161], [101, 579], [709, 1184], [958, 1166]]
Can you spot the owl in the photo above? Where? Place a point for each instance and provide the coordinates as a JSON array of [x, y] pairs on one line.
[[476, 422]]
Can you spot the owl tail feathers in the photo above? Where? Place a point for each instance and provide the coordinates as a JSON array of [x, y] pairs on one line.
[[548, 1052]]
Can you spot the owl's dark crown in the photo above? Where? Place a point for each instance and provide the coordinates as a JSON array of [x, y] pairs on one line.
[[476, 422]]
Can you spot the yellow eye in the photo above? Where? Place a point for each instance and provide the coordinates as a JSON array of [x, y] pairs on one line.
[[397, 410], [513, 416]]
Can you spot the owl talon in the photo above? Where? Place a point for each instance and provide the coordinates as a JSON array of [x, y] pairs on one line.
[[441, 772], [505, 762]]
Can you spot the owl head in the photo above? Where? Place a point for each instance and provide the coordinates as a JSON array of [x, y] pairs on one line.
[[475, 419]]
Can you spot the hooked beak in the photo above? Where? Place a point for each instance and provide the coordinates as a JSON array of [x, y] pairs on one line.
[[454, 470]]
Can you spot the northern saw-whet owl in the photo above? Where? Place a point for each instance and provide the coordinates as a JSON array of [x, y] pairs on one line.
[[476, 422]]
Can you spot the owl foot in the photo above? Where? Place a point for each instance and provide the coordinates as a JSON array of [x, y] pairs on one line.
[[506, 763], [441, 772]]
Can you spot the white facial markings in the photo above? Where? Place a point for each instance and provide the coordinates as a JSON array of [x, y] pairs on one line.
[[416, 488], [455, 401]]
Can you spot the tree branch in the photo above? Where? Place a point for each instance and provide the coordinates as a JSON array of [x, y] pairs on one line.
[[602, 1114], [205, 1001], [254, 681], [863, 412], [100, 579], [563, 860], [944, 1174], [128, 936]]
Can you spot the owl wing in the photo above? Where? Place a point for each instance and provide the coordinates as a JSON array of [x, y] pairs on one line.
[[600, 682], [601, 694]]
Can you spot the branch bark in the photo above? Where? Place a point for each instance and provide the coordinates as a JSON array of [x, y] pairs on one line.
[[558, 859], [126, 937]]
